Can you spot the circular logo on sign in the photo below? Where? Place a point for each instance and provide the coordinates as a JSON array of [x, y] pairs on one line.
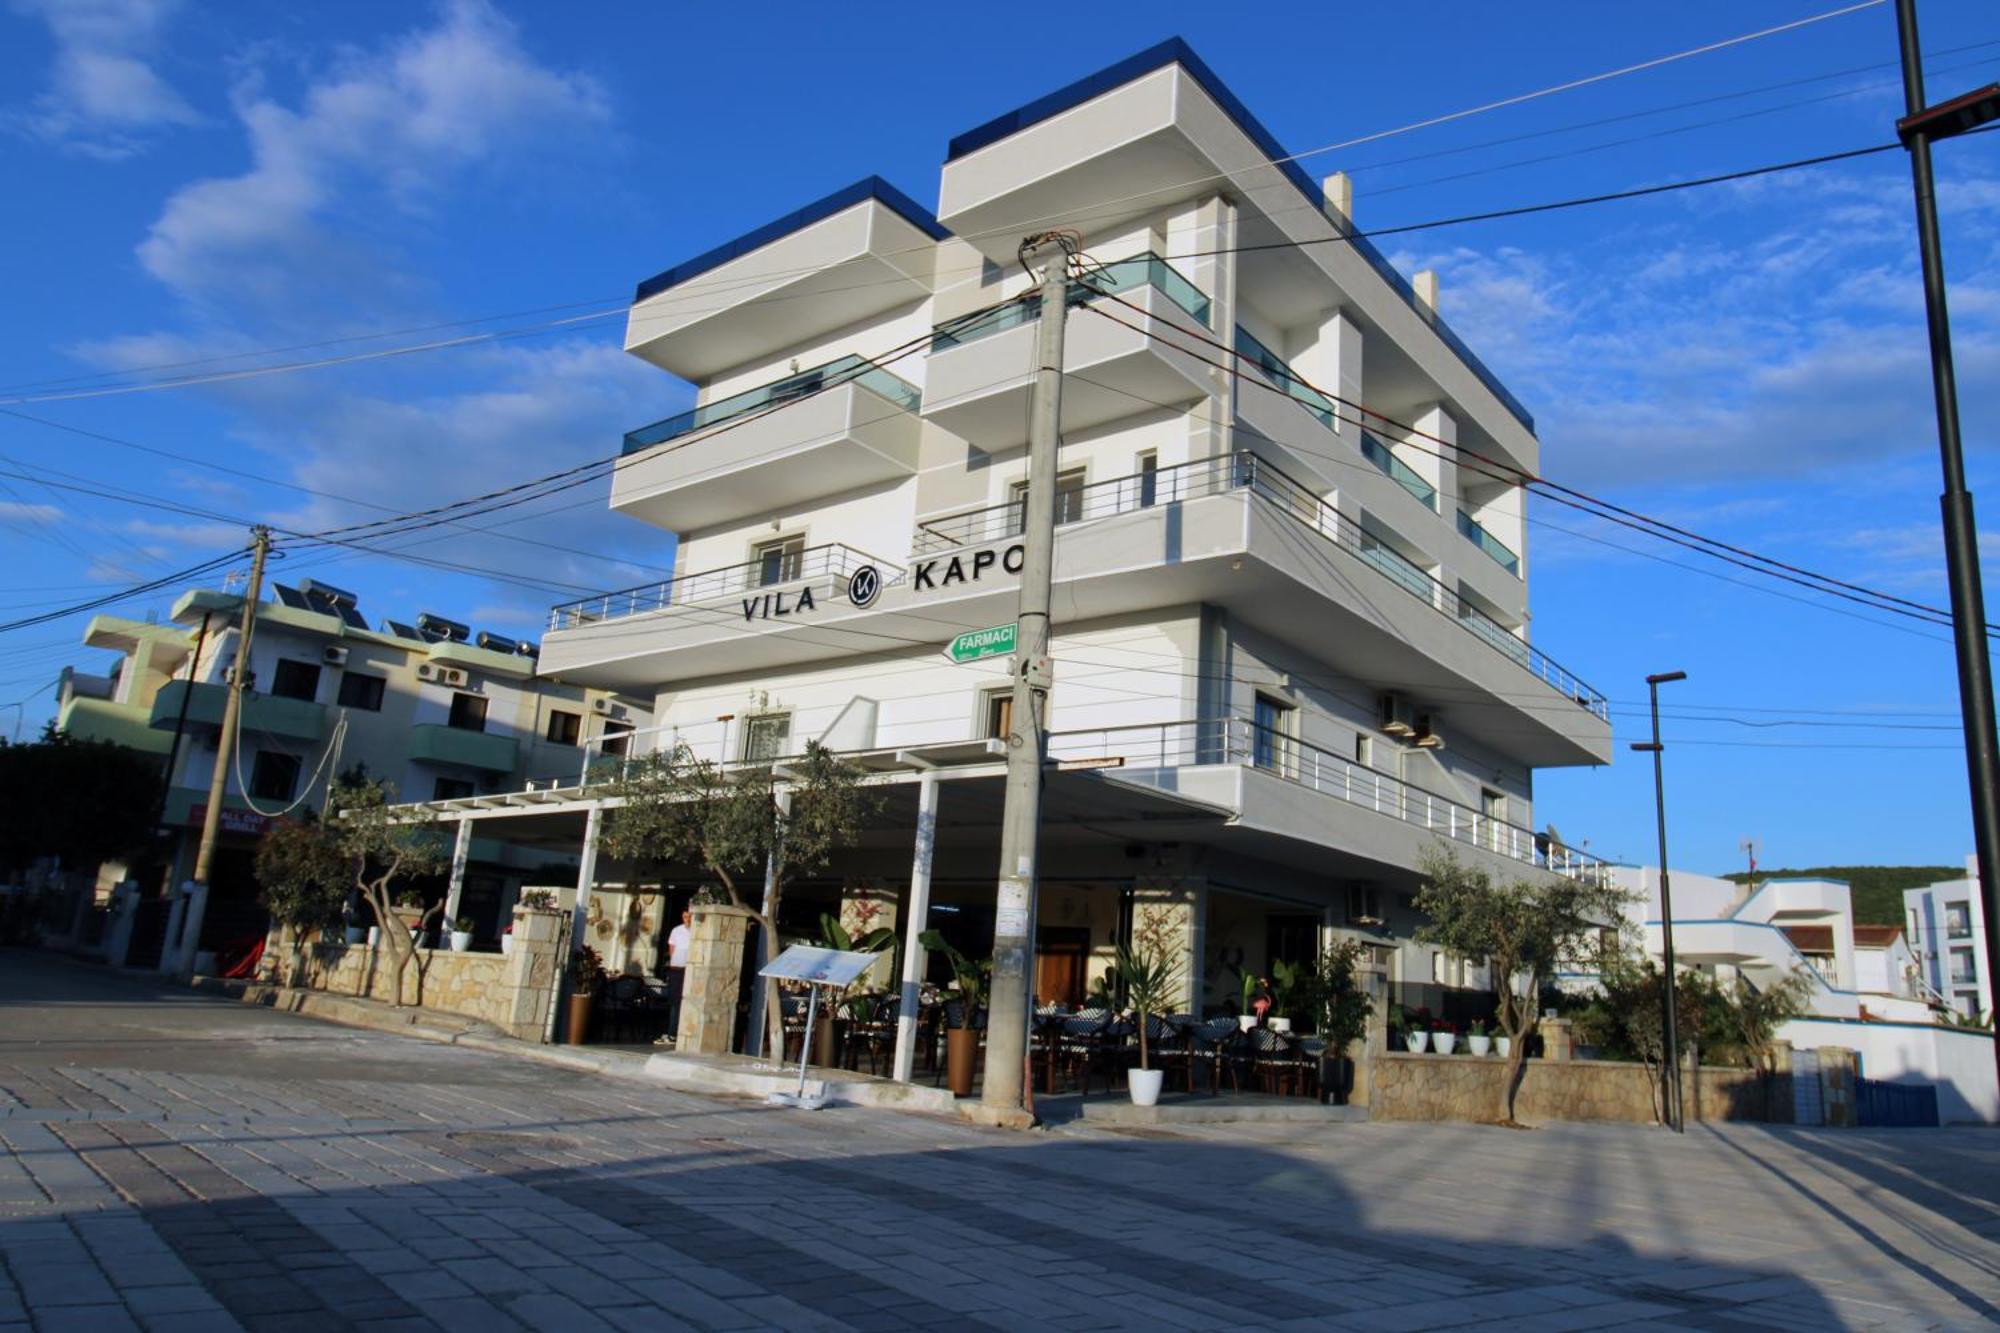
[[864, 585]]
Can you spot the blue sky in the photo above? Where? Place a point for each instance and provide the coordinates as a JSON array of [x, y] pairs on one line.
[[192, 182]]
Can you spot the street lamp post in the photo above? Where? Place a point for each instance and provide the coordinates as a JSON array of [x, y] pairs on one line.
[[1920, 127], [1675, 1120]]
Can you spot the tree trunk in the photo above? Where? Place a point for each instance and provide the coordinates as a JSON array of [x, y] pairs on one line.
[[1517, 1070]]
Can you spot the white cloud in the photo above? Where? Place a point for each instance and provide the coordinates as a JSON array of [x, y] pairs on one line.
[[103, 91], [22, 511], [389, 127]]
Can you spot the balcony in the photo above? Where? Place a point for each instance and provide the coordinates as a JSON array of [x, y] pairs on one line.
[[857, 254], [980, 378], [1497, 550], [291, 719], [434, 743], [85, 718], [1398, 471], [1233, 531], [843, 425], [1375, 813]]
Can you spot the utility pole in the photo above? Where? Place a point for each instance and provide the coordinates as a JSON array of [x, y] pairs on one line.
[[1919, 127], [1673, 1084], [1020, 826], [225, 750]]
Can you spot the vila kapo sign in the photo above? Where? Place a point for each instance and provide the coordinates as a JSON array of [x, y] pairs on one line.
[[865, 584]]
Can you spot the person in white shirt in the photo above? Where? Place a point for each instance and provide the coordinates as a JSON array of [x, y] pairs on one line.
[[677, 957]]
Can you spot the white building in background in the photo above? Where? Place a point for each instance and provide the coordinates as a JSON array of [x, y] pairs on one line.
[[1947, 924], [1292, 644]]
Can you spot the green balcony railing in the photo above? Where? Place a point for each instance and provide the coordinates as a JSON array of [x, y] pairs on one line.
[[800, 384], [1275, 369], [1399, 472], [1145, 270], [1501, 553]]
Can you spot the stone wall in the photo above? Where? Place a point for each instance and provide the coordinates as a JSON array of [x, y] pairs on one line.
[[1468, 1087], [512, 991]]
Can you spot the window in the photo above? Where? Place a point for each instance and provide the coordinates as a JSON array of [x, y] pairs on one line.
[[615, 738], [295, 680], [1958, 921], [1493, 805], [564, 728], [1446, 970], [451, 789], [359, 690], [1962, 973], [1364, 905], [999, 711], [274, 776], [1069, 500], [468, 712], [1271, 734], [1364, 749], [780, 561], [766, 737], [1149, 479], [1968, 1003]]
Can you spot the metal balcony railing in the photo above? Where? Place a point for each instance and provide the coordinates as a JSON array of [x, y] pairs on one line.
[[833, 562], [1382, 456], [1143, 270], [799, 384], [1247, 471], [1239, 740]]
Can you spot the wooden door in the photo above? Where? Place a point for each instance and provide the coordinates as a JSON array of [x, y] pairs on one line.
[[1062, 955]]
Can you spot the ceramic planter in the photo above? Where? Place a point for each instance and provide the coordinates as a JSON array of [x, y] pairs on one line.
[[1336, 1079], [461, 941], [506, 945], [578, 1030], [1418, 1042], [1246, 1021], [1444, 1042], [1480, 1045], [355, 934], [1145, 1086], [961, 1053], [1278, 1024], [1503, 1046]]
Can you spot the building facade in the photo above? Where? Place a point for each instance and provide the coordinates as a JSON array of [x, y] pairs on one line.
[[1947, 925], [1291, 641], [427, 705]]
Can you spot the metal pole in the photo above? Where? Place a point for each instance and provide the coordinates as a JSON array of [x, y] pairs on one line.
[[174, 754], [1013, 946], [225, 750], [1968, 598], [1675, 1121]]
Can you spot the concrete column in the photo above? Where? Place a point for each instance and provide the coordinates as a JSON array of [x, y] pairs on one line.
[[531, 973], [1175, 905], [1374, 982], [1338, 192], [714, 970], [461, 851], [916, 910], [1431, 425], [1837, 1090], [1843, 953], [586, 874], [118, 928], [753, 1043], [1558, 1042]]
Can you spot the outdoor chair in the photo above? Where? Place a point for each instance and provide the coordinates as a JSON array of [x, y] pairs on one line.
[[619, 1006], [874, 1035], [1167, 1047], [793, 1008], [1214, 1046], [1281, 1065], [1083, 1048]]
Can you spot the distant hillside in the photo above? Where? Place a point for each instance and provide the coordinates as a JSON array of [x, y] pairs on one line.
[[1878, 890]]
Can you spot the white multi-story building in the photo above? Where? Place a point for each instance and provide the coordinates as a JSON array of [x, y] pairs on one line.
[[428, 705], [1291, 638], [1947, 925]]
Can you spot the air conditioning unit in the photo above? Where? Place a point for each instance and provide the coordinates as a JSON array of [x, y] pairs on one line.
[[604, 706], [333, 655], [1398, 718], [1364, 906], [441, 674], [1428, 736]]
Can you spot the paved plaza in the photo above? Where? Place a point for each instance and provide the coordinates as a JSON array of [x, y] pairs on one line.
[[178, 1162]]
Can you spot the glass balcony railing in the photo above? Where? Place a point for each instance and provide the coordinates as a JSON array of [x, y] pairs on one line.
[[1275, 369], [1398, 568], [846, 369], [1502, 555], [1145, 270], [1400, 472]]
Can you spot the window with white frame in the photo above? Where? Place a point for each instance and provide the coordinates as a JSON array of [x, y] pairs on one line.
[[780, 561], [766, 736]]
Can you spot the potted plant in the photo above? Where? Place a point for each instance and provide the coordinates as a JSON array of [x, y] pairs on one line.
[[833, 935], [1503, 1045], [411, 912], [585, 973], [1152, 984], [506, 939], [1289, 983], [461, 935], [961, 1044], [1417, 1030], [1444, 1037], [537, 900], [1343, 1009], [1477, 1039]]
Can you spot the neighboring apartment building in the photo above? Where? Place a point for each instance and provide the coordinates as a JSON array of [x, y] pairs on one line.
[[1291, 646], [427, 705], [1948, 934]]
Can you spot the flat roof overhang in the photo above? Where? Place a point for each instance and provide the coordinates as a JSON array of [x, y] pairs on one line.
[[1234, 550]]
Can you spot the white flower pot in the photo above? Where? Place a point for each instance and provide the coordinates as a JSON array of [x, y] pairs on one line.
[[1503, 1046], [1145, 1086], [461, 941], [374, 936], [1278, 1024], [1444, 1042], [1418, 1042], [1479, 1045], [1246, 1021], [506, 945]]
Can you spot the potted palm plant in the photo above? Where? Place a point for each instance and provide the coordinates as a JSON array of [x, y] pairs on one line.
[[961, 1043], [1342, 1012], [1152, 984]]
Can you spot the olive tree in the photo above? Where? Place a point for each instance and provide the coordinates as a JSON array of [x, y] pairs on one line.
[[674, 808], [1524, 928], [382, 843], [303, 878]]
